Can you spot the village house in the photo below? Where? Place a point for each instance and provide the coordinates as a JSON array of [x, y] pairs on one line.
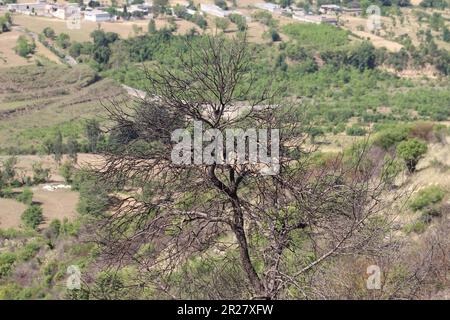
[[330, 9], [315, 19], [40, 6], [97, 16], [62, 11]]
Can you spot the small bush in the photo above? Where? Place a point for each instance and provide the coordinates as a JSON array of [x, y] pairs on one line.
[[29, 251], [427, 197], [26, 196], [32, 216], [7, 259], [355, 130], [390, 137], [411, 151], [40, 174], [416, 226]]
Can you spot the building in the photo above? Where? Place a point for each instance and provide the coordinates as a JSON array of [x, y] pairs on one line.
[[353, 8], [63, 11], [97, 16], [272, 7], [315, 19], [330, 9], [40, 6], [214, 10]]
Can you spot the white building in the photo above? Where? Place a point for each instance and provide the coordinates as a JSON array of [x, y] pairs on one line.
[[97, 16], [330, 8], [27, 8], [314, 19], [213, 10], [63, 11], [272, 7]]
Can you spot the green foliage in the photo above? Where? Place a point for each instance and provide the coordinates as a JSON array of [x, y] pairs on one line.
[[32, 217], [66, 170], [26, 196], [221, 23], [239, 20], [40, 174], [355, 130], [312, 36], [24, 47], [5, 22], [391, 136], [411, 151], [7, 260], [49, 33], [417, 226], [151, 28], [29, 250], [439, 4], [94, 198], [427, 197]]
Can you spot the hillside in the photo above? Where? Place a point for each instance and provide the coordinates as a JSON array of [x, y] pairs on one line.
[[34, 100]]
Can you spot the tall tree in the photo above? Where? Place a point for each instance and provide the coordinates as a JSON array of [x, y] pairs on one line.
[[263, 230]]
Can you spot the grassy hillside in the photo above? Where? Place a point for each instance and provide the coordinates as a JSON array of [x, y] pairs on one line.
[[34, 100]]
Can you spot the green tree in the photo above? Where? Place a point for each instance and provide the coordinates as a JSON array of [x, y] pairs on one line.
[[72, 149], [63, 40], [24, 47], [152, 26], [222, 23], [32, 217], [446, 34], [94, 199], [40, 174], [411, 151], [5, 22], [93, 134], [58, 147], [66, 171], [49, 33], [9, 170]]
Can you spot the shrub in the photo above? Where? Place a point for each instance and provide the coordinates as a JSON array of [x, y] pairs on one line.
[[427, 197], [7, 193], [417, 226], [94, 198], [26, 196], [355, 130], [66, 171], [390, 137], [40, 174], [32, 216], [411, 151], [7, 259], [24, 47], [29, 251]]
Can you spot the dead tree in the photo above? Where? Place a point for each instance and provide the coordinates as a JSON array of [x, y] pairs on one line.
[[270, 232]]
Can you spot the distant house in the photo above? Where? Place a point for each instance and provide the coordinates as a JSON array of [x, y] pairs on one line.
[[272, 7], [62, 11], [97, 16], [353, 8], [330, 9], [214, 10], [315, 19], [27, 8]]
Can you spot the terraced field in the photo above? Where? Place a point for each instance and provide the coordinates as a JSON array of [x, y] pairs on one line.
[[34, 99]]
